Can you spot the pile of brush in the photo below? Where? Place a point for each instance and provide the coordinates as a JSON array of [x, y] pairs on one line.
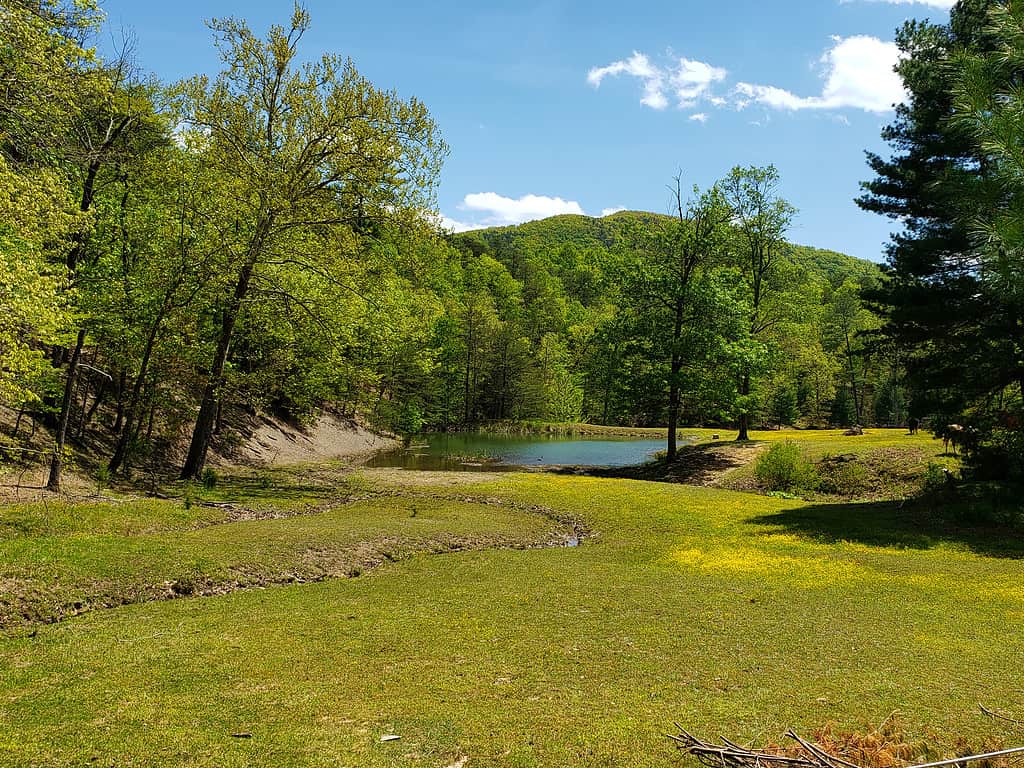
[[884, 747]]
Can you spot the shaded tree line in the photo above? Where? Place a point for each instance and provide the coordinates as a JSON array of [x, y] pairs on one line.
[[954, 182]]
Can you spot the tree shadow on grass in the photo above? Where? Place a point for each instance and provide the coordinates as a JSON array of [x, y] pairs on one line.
[[700, 464], [888, 524]]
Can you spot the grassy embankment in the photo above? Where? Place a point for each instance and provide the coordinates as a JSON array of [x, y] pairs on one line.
[[732, 613], [881, 464]]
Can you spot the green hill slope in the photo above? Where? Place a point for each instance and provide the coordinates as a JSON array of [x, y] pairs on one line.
[[552, 236]]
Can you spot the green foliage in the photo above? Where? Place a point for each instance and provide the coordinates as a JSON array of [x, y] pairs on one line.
[[999, 456], [843, 413], [35, 214], [209, 478], [935, 478], [783, 467], [784, 406], [261, 240], [410, 420], [955, 184]]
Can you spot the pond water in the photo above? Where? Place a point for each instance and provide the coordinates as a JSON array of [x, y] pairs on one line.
[[473, 451]]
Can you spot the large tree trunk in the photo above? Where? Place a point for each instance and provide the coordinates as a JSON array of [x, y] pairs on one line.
[[673, 414], [57, 460], [673, 384], [744, 421], [466, 400], [203, 432]]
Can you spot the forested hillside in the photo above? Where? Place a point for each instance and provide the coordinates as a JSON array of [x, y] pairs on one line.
[[558, 337], [178, 255]]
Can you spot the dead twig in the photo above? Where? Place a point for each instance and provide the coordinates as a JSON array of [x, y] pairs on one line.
[[1000, 716], [730, 755]]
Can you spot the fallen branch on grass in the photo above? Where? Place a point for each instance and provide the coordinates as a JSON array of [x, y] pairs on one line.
[[730, 755], [1000, 716]]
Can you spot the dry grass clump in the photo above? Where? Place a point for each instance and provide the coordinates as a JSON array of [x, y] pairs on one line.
[[882, 747], [887, 746]]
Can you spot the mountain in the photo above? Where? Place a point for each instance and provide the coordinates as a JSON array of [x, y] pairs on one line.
[[559, 237]]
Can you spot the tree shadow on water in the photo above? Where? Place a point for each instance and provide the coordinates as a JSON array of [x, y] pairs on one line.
[[888, 524]]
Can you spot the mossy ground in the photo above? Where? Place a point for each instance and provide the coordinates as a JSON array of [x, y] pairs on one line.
[[732, 613]]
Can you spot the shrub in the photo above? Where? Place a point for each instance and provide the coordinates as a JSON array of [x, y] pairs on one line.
[[783, 467], [410, 420], [209, 478], [935, 478], [102, 476]]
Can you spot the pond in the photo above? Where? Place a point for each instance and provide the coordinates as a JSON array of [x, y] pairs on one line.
[[475, 451]]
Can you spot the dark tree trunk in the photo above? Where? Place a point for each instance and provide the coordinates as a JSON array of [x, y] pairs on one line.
[[673, 411], [673, 384], [119, 417], [744, 421], [57, 460], [203, 432]]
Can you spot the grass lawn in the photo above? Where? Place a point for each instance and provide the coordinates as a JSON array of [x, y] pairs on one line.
[[732, 613]]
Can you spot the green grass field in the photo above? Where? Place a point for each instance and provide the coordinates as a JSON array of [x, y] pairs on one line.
[[732, 613]]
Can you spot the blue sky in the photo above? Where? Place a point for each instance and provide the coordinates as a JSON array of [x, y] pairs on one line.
[[560, 106]]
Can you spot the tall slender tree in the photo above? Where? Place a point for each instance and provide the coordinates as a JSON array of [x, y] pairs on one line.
[[661, 274], [316, 153], [761, 218]]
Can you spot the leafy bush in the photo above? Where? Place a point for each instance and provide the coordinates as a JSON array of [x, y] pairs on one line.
[[210, 478], [935, 477], [410, 420], [102, 476], [783, 467]]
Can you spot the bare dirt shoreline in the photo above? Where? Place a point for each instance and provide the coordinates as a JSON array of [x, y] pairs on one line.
[[275, 443]]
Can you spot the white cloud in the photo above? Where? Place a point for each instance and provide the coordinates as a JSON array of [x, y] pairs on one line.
[[945, 4], [700, 117], [686, 79], [692, 79], [494, 210], [501, 210], [858, 73], [452, 225], [640, 67]]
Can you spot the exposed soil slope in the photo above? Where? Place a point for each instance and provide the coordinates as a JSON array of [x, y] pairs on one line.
[[274, 442]]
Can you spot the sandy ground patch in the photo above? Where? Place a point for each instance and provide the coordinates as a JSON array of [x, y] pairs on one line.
[[276, 443], [408, 477]]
